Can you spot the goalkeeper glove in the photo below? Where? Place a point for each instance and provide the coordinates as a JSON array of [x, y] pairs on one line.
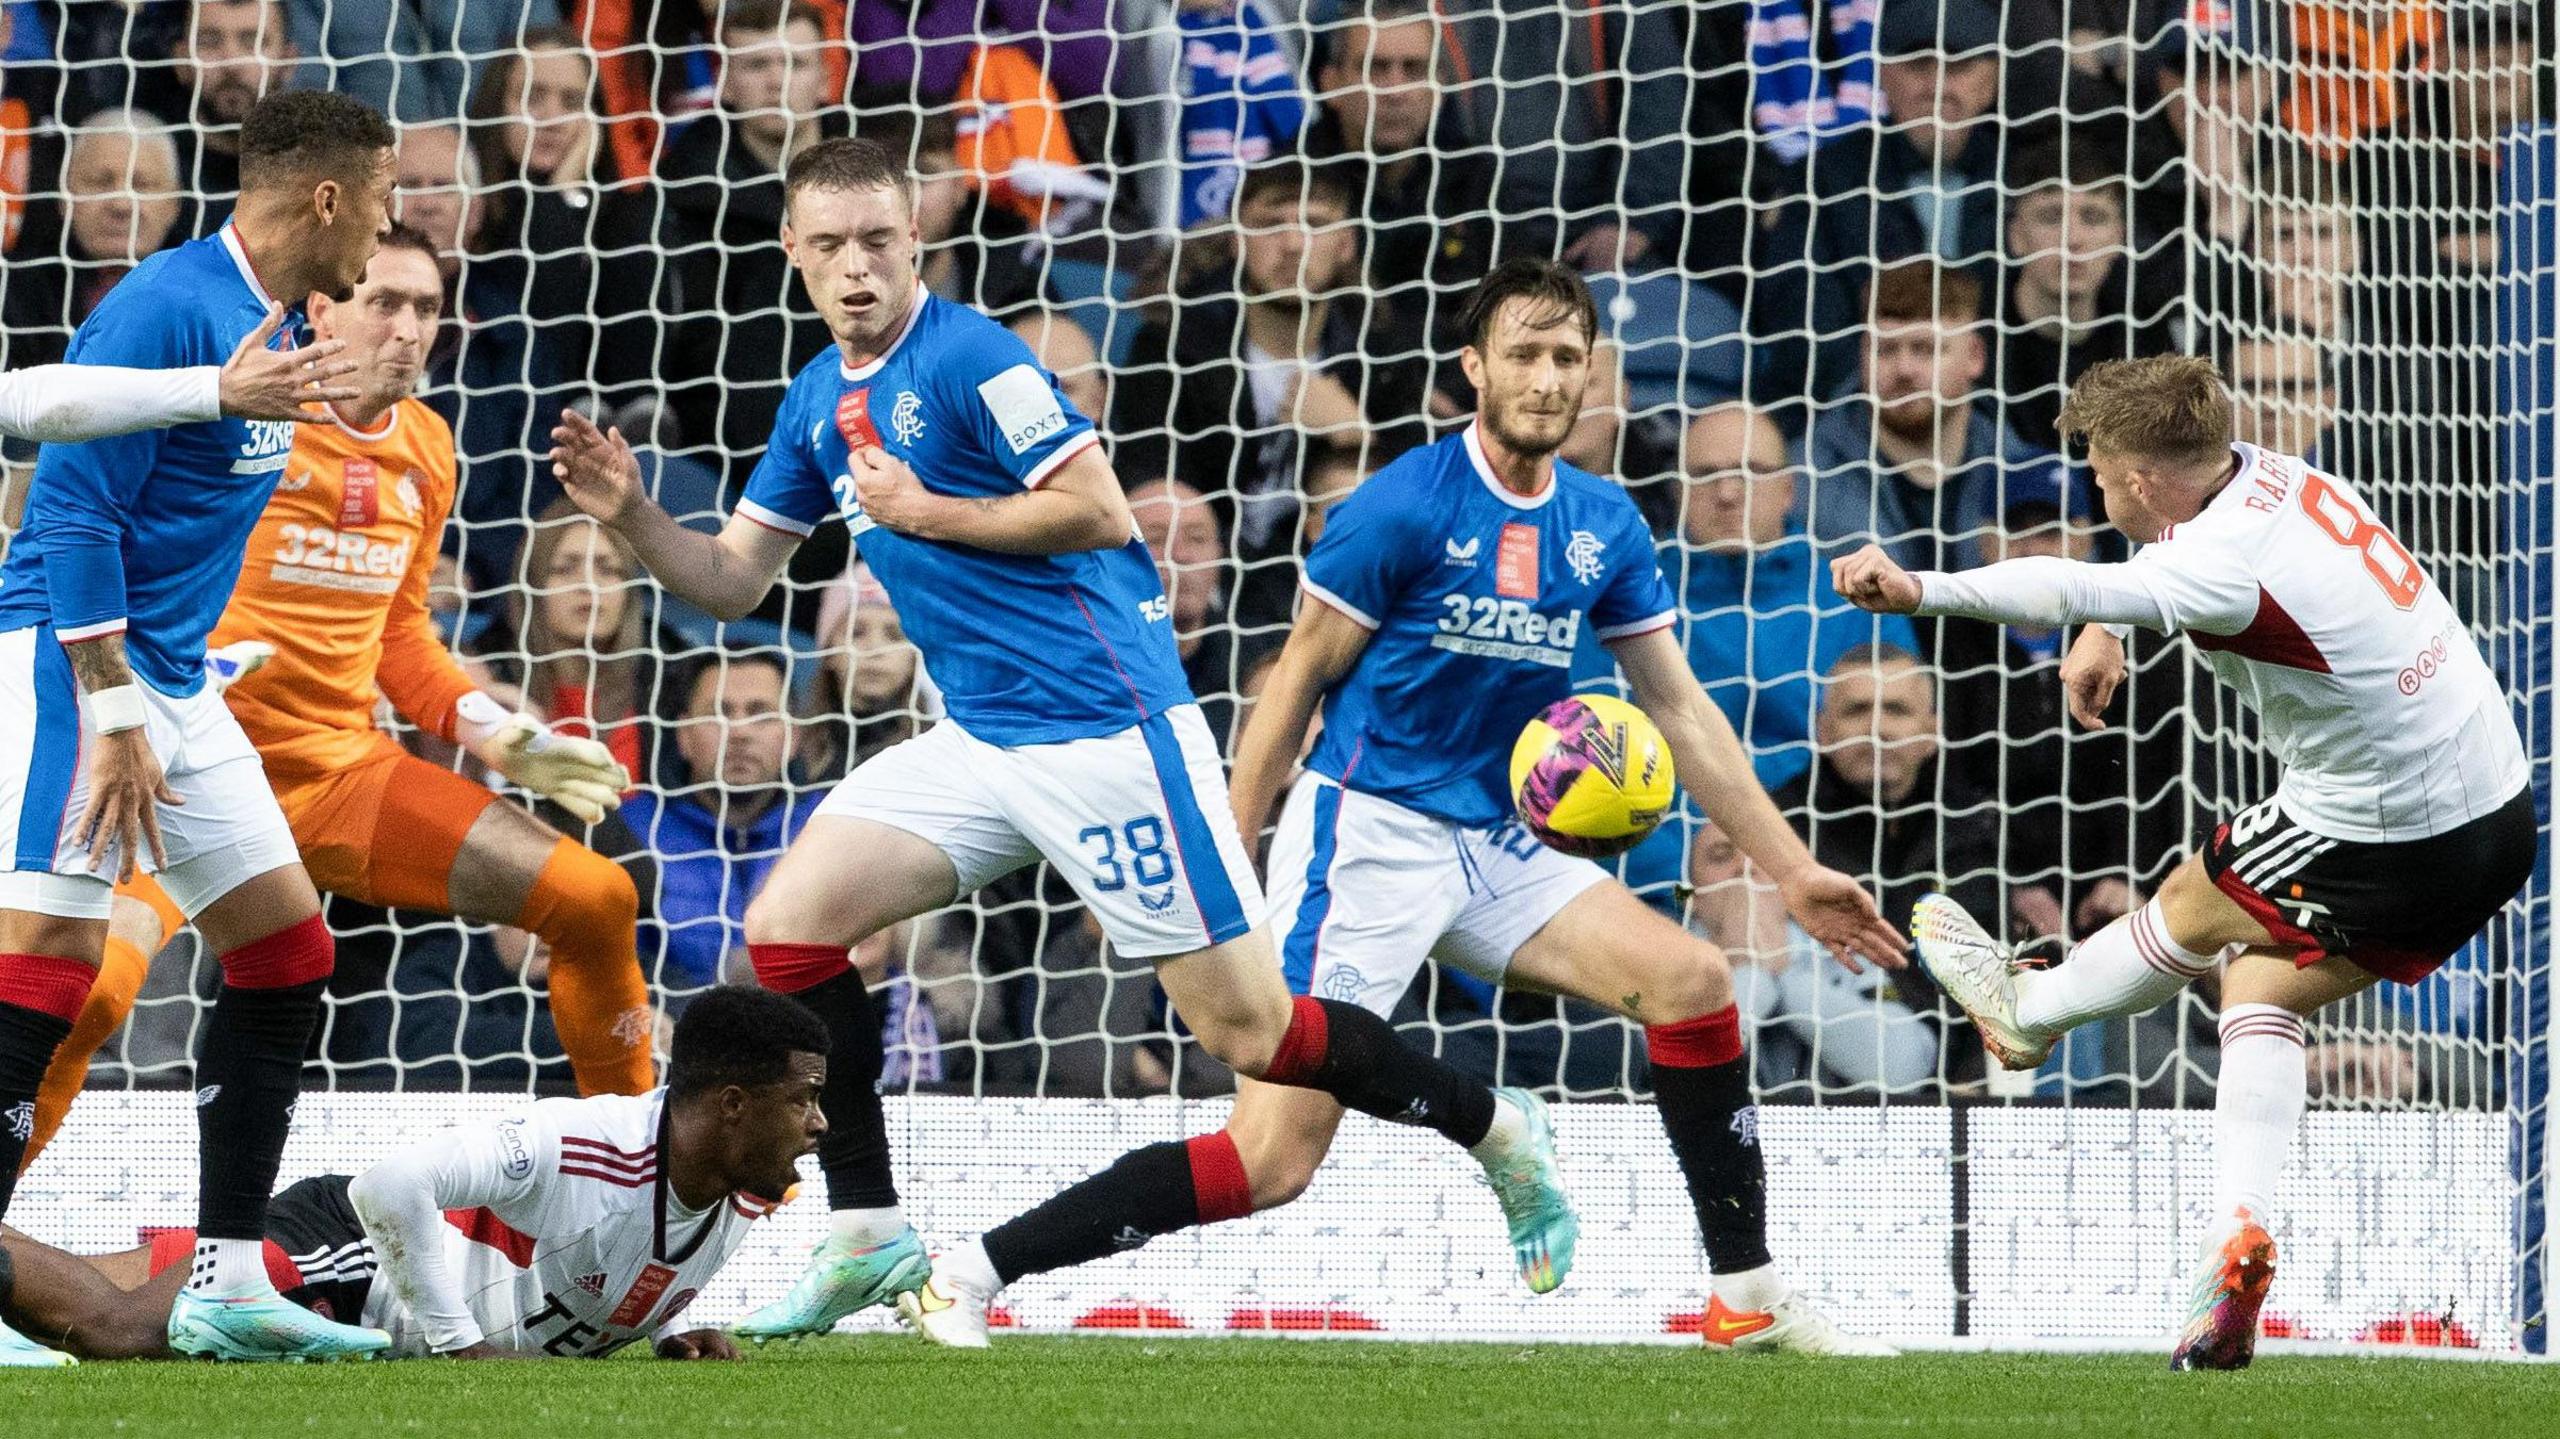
[[235, 662], [579, 775]]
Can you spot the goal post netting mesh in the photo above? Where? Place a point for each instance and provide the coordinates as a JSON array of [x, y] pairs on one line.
[[1848, 258]]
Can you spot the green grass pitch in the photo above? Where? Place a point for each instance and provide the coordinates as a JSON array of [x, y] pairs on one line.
[[879, 1388]]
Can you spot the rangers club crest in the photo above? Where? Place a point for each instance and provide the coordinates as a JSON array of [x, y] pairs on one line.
[[1582, 555], [906, 418]]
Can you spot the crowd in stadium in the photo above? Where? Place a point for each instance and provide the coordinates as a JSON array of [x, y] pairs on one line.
[[1847, 276]]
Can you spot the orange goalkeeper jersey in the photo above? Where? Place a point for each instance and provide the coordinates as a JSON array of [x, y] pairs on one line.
[[336, 579]]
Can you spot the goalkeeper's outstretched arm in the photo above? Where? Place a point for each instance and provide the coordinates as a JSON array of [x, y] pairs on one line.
[[726, 575]]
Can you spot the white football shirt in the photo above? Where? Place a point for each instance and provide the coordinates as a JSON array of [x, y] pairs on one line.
[[2367, 686], [557, 1232]]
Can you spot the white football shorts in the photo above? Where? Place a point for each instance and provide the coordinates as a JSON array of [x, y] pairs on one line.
[[229, 829], [1137, 821], [1363, 890]]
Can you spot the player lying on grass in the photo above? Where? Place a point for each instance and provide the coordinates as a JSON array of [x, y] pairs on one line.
[[120, 756], [1445, 601], [580, 1227], [2402, 825], [66, 404], [983, 503], [335, 589]]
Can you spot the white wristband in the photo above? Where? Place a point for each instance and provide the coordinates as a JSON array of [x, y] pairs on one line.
[[475, 715], [113, 711]]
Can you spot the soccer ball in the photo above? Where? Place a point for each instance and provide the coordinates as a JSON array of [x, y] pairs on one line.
[[1591, 776]]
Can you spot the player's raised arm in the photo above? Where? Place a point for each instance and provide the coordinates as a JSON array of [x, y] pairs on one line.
[[401, 1203], [1712, 763], [727, 574], [71, 404], [1322, 646]]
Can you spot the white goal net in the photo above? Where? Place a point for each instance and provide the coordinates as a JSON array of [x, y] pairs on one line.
[[1848, 259]]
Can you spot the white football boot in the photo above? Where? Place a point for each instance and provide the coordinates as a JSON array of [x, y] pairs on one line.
[[947, 1309], [1980, 974], [1793, 1325]]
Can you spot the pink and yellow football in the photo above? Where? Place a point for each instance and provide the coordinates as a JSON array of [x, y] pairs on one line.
[[1591, 776]]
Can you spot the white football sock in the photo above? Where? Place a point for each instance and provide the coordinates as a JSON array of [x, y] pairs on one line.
[[2128, 967], [867, 1227], [969, 1267], [1510, 1127], [2257, 1105], [1752, 1291], [229, 1269]]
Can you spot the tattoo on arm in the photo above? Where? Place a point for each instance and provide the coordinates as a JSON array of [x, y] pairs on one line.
[[99, 664]]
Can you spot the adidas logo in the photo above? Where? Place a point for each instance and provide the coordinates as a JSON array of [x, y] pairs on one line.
[[22, 1120], [1130, 1237], [1464, 556], [1418, 1112], [593, 1284]]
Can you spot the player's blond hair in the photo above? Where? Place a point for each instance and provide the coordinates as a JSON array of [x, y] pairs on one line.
[[2170, 408]]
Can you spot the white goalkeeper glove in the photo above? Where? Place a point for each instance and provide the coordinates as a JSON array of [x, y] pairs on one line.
[[579, 775], [234, 662]]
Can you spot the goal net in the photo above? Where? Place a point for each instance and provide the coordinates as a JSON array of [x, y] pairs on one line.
[[1848, 258]]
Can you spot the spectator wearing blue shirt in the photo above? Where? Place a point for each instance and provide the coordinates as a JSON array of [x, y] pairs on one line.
[[1919, 460], [1761, 620], [721, 826]]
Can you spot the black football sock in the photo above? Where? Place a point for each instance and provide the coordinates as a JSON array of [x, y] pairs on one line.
[[1702, 1089], [250, 1074], [1354, 1056], [855, 1152], [1146, 1192], [40, 995]]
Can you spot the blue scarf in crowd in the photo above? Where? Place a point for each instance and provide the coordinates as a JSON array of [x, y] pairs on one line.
[[1797, 101]]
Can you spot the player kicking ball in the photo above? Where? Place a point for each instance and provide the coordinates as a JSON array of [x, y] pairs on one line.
[[982, 501], [2402, 825], [1447, 595], [335, 592], [578, 1228], [118, 756]]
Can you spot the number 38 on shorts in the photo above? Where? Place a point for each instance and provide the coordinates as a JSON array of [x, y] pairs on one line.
[[1138, 821]]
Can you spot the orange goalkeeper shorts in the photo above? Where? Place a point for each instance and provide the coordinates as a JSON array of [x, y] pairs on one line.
[[383, 830]]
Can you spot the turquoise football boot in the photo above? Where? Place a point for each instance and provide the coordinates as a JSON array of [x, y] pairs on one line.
[[265, 1328], [842, 1278], [1526, 1182]]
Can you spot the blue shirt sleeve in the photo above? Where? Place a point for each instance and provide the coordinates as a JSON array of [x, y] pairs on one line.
[[1366, 557], [82, 492], [787, 492], [1010, 408], [1636, 598]]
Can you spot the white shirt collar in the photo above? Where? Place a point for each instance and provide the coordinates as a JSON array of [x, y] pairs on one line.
[[915, 312]]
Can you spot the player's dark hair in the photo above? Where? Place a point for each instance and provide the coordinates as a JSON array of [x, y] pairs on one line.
[[851, 163], [741, 1035], [1555, 292], [293, 135]]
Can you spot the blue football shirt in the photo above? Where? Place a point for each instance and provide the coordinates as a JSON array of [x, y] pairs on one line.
[[1475, 597], [1026, 649], [144, 533]]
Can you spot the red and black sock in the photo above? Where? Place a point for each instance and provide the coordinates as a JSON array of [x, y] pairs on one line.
[[1702, 1089], [1354, 1056], [40, 996], [1146, 1192], [854, 1155], [250, 1073]]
